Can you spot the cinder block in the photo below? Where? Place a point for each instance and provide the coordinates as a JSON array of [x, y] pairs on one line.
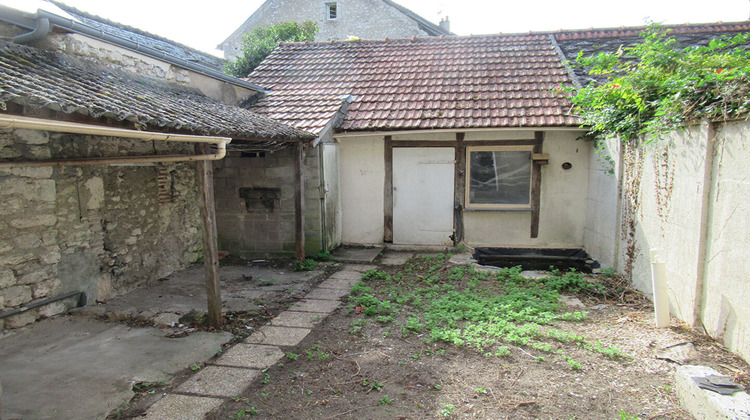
[[705, 404]]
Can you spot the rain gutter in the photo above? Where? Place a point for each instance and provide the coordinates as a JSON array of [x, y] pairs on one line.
[[74, 128]]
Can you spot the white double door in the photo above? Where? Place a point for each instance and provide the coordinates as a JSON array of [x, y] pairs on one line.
[[423, 195]]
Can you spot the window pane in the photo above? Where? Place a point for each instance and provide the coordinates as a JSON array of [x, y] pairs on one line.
[[500, 177]]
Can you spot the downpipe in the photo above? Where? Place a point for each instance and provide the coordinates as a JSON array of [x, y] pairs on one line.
[[81, 303]]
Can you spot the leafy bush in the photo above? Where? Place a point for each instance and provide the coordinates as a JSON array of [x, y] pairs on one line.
[[656, 85]]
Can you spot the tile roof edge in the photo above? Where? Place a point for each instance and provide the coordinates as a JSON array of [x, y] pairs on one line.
[[436, 29], [75, 11], [614, 32], [540, 35], [159, 55]]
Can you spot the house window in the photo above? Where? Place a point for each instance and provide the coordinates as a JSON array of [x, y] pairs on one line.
[[499, 177], [331, 11]]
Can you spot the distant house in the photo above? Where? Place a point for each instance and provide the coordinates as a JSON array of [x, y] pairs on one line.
[[340, 20]]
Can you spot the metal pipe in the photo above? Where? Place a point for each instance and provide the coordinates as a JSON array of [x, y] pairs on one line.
[[42, 29], [81, 303], [74, 128]]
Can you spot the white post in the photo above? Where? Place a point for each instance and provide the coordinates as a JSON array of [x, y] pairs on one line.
[[659, 285]]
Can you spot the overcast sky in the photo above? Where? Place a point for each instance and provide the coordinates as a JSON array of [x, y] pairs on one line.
[[204, 24]]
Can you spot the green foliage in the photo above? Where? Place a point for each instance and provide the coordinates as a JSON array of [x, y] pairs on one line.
[[306, 265], [656, 85], [315, 353], [385, 400], [323, 255], [258, 44]]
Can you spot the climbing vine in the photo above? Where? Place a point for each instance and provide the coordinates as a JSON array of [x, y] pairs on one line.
[[656, 86]]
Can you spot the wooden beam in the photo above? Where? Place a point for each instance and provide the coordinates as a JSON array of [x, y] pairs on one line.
[[459, 182], [536, 185], [388, 192], [299, 202], [210, 245]]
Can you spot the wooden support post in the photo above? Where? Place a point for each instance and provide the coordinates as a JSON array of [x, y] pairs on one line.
[[210, 245], [388, 192], [536, 185], [299, 202], [459, 182]]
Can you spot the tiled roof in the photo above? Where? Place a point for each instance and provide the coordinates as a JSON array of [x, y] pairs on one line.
[[428, 83], [44, 79], [144, 38], [594, 41]]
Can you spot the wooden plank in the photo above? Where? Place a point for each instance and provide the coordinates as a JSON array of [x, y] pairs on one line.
[[422, 143], [299, 202], [388, 191], [536, 185], [500, 142], [450, 143], [210, 245], [460, 189]]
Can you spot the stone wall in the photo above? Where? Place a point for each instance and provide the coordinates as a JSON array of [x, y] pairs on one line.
[[686, 195], [255, 203], [98, 229], [364, 19]]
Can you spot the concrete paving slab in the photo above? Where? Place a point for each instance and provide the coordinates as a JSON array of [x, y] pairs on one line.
[[360, 267], [250, 356], [357, 255], [395, 258], [338, 284], [181, 292], [298, 319], [328, 294], [219, 381], [81, 368], [182, 407], [278, 336], [316, 305], [346, 275]]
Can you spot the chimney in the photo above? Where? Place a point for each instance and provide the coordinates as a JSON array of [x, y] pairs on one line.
[[445, 24]]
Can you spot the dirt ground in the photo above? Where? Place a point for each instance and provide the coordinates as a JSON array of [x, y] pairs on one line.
[[351, 366]]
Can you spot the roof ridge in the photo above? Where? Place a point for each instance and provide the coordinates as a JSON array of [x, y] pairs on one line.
[[417, 18], [635, 30], [539, 35]]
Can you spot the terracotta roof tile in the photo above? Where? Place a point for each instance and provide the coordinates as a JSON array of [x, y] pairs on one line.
[[457, 82], [45, 79]]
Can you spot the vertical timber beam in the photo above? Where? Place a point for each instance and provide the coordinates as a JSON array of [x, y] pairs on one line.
[[459, 195], [536, 185], [299, 202], [388, 192], [210, 245]]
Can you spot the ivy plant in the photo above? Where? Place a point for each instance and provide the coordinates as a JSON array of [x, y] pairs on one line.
[[259, 43], [656, 85]]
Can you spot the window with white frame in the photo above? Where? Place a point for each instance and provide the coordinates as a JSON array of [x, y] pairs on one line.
[[331, 11], [499, 177]]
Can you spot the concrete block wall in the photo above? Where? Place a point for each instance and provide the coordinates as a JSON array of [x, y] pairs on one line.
[[687, 195], [97, 229], [262, 231]]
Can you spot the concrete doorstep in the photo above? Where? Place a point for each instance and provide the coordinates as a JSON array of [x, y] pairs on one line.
[[705, 404]]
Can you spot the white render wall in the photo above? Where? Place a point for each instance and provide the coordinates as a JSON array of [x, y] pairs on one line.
[[362, 179], [689, 197], [563, 200], [602, 226], [563, 196]]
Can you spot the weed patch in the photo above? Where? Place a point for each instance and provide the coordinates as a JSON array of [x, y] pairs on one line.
[[488, 311]]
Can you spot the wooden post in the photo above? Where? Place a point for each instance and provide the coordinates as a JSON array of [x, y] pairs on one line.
[[536, 185], [459, 182], [299, 202], [388, 191], [210, 245]]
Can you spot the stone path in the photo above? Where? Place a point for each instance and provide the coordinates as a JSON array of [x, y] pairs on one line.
[[239, 366]]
